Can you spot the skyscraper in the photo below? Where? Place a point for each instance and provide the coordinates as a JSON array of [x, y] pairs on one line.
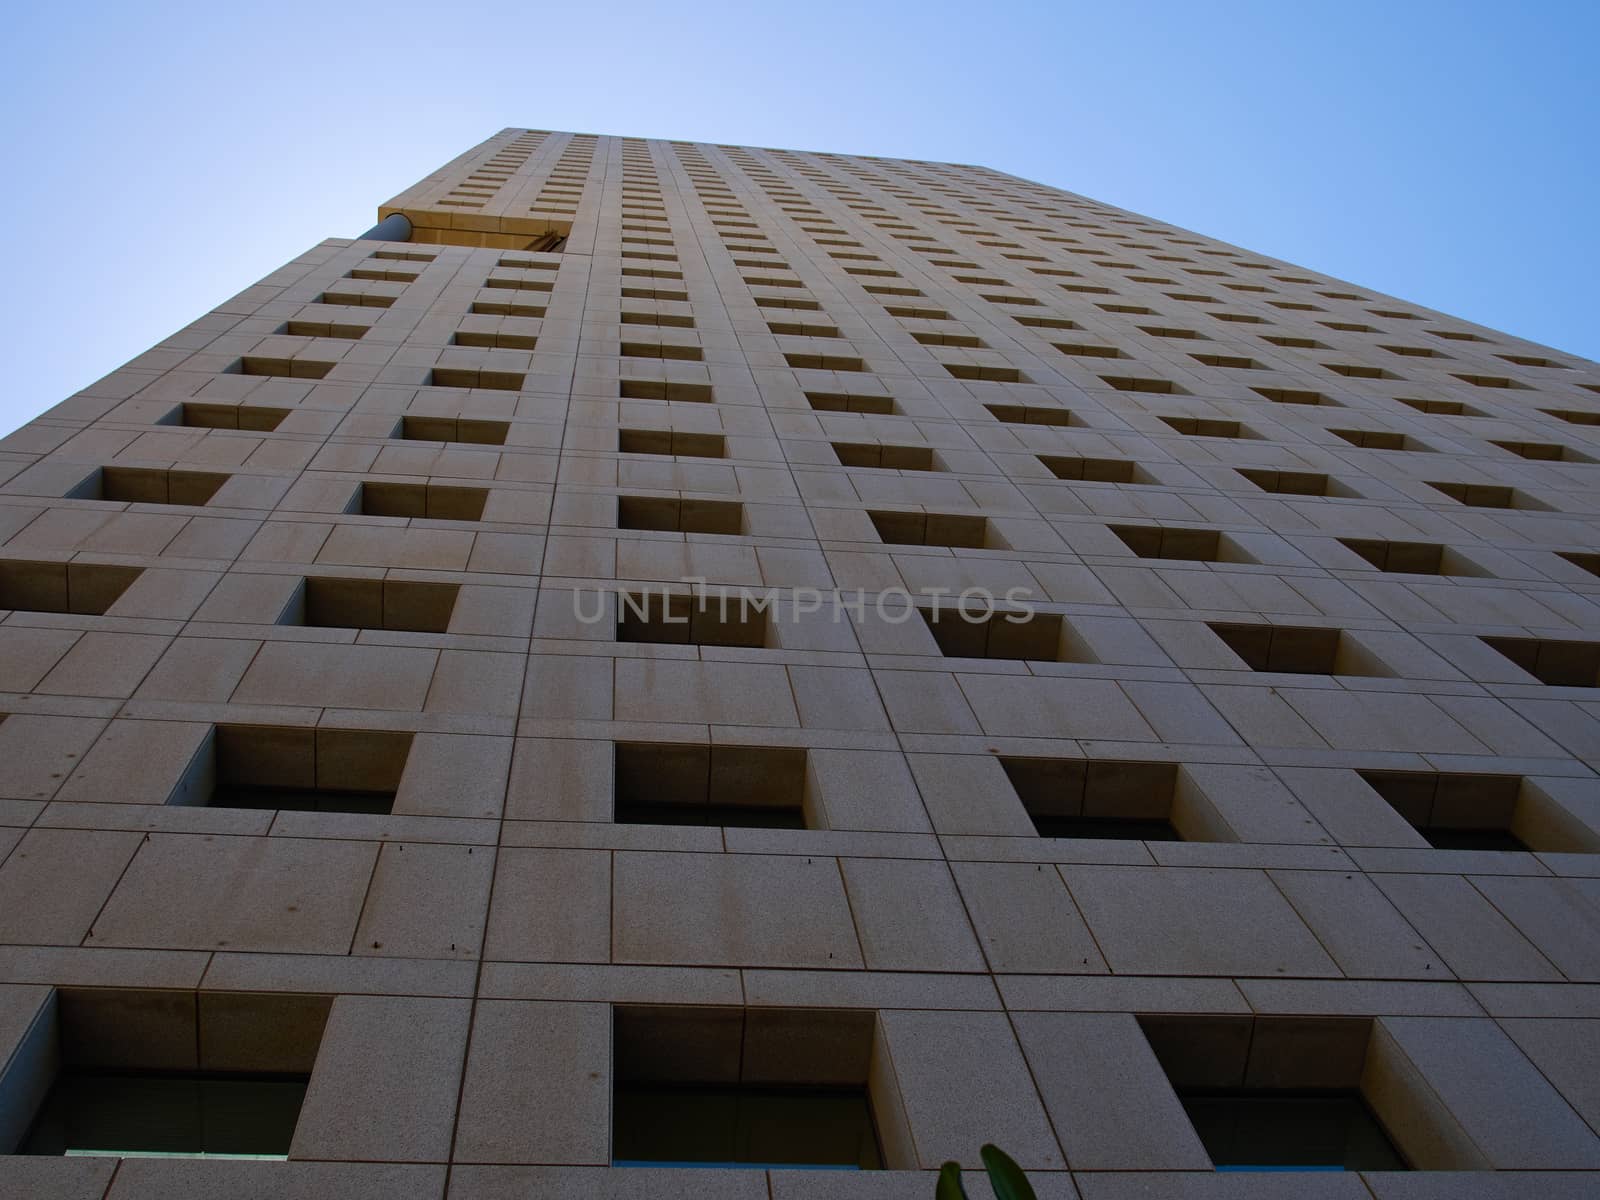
[[667, 656]]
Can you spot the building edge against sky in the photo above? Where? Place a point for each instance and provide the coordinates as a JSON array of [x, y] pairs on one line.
[[339, 826]]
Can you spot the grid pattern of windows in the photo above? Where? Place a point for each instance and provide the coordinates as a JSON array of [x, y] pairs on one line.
[[741, 657]]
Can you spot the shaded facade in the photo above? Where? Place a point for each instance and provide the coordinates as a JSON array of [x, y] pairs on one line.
[[720, 655]]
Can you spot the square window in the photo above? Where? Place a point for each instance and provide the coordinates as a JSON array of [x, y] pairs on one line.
[[889, 458], [1440, 408], [1095, 470], [1208, 427], [1295, 483], [1487, 495], [932, 529], [680, 516], [1129, 383], [1573, 416], [324, 329], [1413, 558], [665, 389], [1281, 1130], [452, 429], [1021, 414], [1298, 650], [170, 1074], [228, 416], [1359, 371], [1280, 1093], [434, 502], [949, 339], [1193, 545], [181, 1114], [1543, 451], [847, 402], [1232, 361], [409, 606], [145, 485], [663, 350], [1019, 635], [1458, 811], [679, 619], [1379, 439], [88, 589], [1293, 396], [974, 372], [1491, 381], [725, 1087], [671, 442], [1088, 350], [1558, 662], [823, 362], [296, 368], [1105, 798], [506, 308], [757, 787], [297, 769]]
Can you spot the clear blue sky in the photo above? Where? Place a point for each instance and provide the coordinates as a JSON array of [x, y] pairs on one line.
[[162, 157]]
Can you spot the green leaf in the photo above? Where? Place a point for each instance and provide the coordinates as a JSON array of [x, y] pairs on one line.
[[950, 1183], [1005, 1176]]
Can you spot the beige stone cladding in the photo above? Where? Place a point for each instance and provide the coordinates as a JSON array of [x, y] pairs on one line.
[[361, 717]]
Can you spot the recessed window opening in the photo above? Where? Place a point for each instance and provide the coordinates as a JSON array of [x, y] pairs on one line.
[[1282, 1130], [1094, 470], [759, 1087], [1110, 799], [679, 619], [298, 769], [1283, 1093], [672, 443], [757, 787], [469, 430], [402, 605], [1299, 650], [887, 457], [1194, 545], [1294, 483], [438, 502], [145, 485], [1557, 662], [680, 515], [227, 416], [1016, 635], [1457, 811], [165, 1074], [1208, 427], [932, 529], [1024, 414], [88, 589], [1413, 558]]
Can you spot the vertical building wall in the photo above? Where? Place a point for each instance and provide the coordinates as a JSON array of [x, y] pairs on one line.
[[1315, 582]]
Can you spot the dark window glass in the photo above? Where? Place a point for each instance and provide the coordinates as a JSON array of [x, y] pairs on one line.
[[177, 1114], [1274, 1131], [749, 1127], [1471, 839]]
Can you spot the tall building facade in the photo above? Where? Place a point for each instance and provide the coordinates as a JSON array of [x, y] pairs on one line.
[[684, 654]]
